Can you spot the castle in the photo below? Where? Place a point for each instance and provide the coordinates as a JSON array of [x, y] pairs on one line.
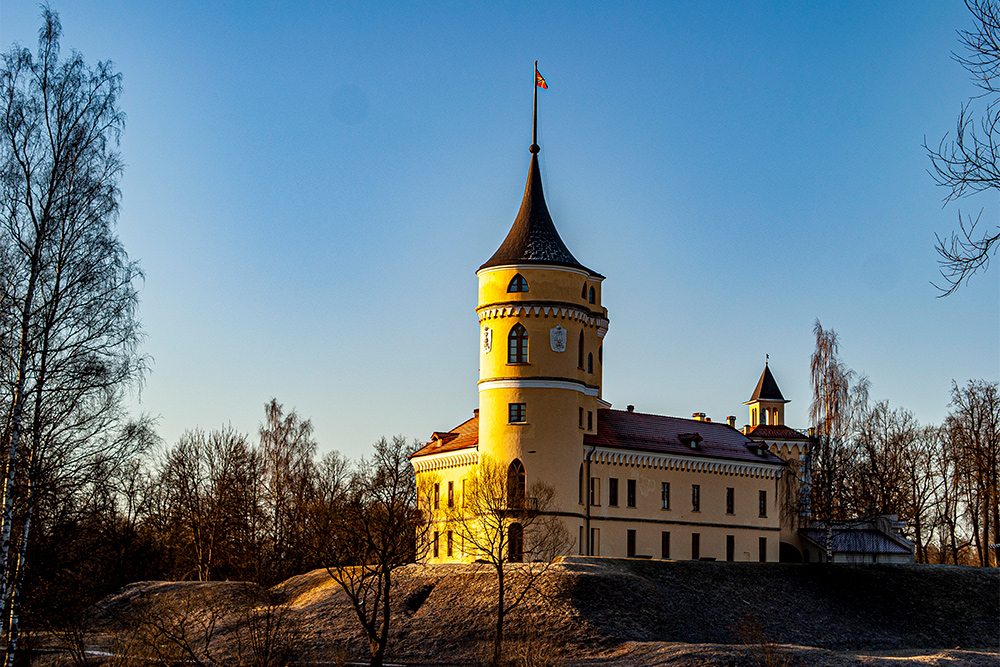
[[625, 483]]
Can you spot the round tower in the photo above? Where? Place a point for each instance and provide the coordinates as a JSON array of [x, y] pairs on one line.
[[542, 328]]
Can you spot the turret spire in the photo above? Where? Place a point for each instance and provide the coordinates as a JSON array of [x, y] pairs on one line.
[[533, 238]]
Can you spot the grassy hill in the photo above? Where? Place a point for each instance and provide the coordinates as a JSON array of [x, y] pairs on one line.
[[619, 611]]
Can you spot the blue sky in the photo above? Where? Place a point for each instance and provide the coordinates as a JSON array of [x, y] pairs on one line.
[[310, 188]]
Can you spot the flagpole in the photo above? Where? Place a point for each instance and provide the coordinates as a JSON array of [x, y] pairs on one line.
[[534, 115]]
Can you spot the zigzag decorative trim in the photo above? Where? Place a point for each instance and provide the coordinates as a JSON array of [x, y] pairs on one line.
[[466, 457], [683, 463], [576, 315]]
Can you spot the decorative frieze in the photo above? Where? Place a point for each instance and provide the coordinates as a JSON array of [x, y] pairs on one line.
[[561, 312], [634, 459], [465, 457]]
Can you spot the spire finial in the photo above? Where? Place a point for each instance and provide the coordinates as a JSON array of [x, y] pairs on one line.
[[766, 358]]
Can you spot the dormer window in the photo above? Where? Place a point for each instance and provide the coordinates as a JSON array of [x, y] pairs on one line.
[[690, 439], [518, 284]]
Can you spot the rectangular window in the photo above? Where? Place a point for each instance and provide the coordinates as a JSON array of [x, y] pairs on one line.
[[463, 492], [613, 492], [762, 503], [437, 496], [595, 491], [595, 541], [730, 500], [695, 546], [590, 420], [581, 542], [450, 543], [581, 417], [695, 498], [665, 495], [435, 544], [762, 549], [516, 413], [630, 493], [451, 495], [665, 545], [730, 548], [630, 544]]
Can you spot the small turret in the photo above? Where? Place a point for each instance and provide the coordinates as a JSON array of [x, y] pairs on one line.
[[767, 405]]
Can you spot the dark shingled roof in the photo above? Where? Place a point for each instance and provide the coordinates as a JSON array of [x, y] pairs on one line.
[[775, 431], [462, 436], [656, 433], [767, 388], [864, 541], [533, 238]]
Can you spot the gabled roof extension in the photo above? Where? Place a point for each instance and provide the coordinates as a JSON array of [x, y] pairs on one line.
[[657, 433], [463, 436]]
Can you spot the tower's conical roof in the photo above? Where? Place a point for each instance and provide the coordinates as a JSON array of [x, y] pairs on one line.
[[767, 388], [533, 238]]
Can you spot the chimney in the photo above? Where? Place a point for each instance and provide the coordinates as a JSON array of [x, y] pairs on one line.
[[700, 417], [631, 408], [731, 420], [475, 412]]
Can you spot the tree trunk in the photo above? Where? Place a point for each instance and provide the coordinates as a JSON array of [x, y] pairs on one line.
[[17, 415], [498, 637], [13, 625]]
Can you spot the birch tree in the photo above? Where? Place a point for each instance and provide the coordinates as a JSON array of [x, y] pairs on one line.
[[68, 298], [839, 399]]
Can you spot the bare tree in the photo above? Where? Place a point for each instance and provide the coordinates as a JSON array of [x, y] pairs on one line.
[[287, 450], [974, 430], [839, 400], [209, 504], [884, 453], [375, 530], [969, 163], [512, 529], [923, 480], [68, 292]]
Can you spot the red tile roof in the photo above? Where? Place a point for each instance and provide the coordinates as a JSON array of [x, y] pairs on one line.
[[462, 436], [656, 433], [761, 431]]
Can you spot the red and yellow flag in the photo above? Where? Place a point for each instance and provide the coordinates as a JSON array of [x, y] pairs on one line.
[[540, 80]]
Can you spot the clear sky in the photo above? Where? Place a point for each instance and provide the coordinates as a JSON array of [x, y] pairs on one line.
[[311, 186]]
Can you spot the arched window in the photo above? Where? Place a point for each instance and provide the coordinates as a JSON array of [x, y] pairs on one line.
[[515, 543], [583, 293], [590, 362], [517, 345], [579, 352], [590, 295], [515, 484], [518, 284]]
